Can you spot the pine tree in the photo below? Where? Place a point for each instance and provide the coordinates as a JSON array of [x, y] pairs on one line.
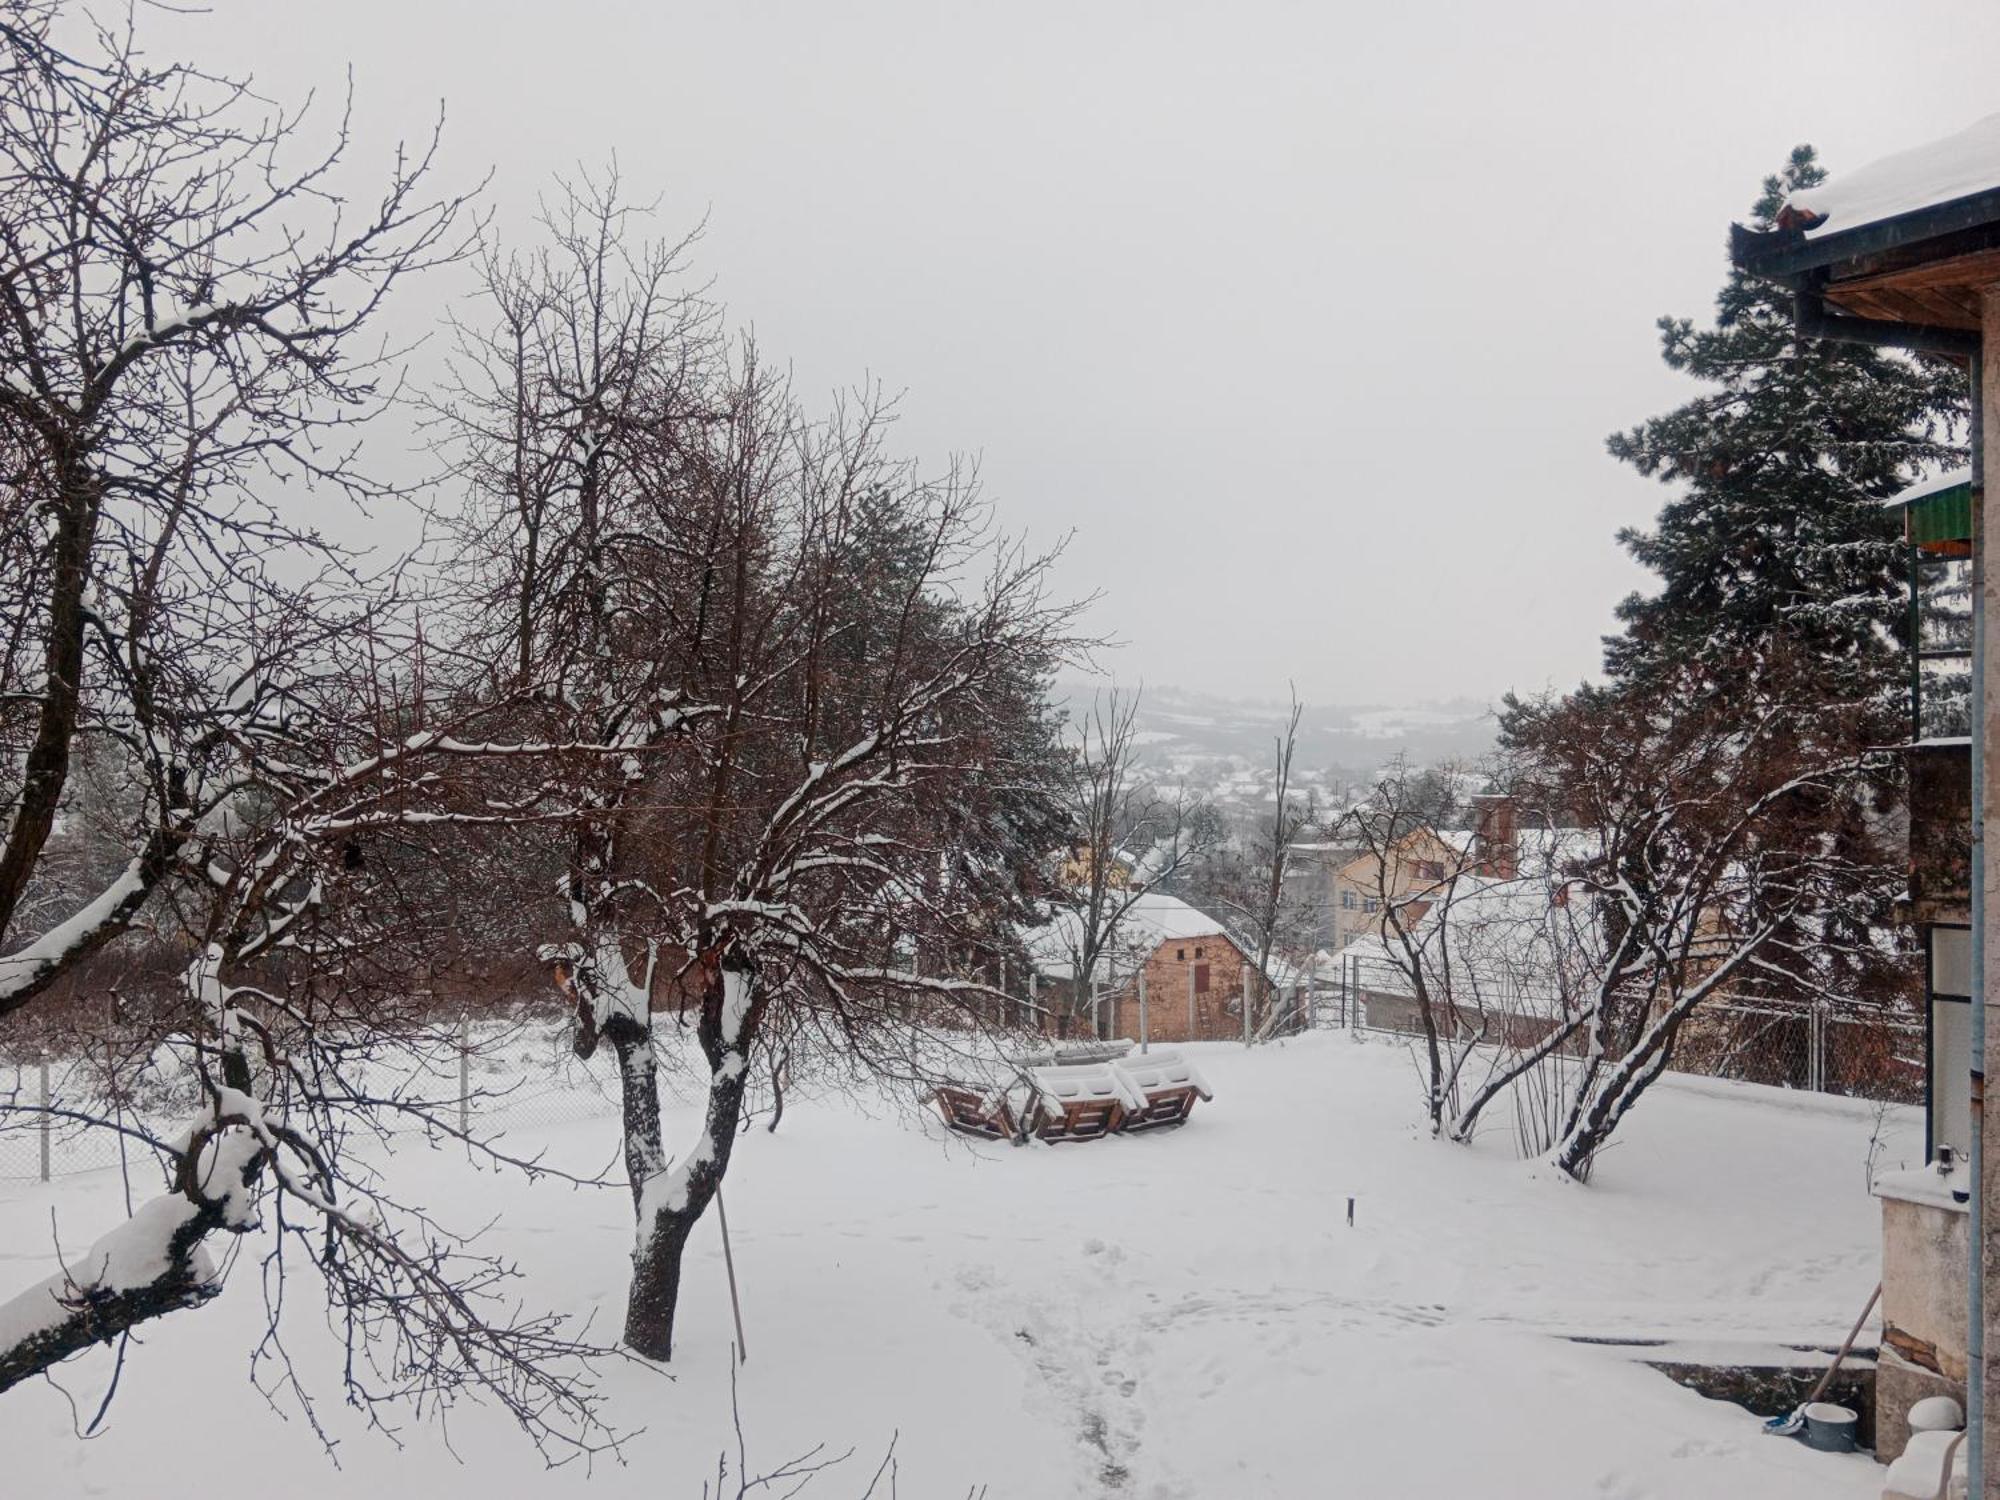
[[1780, 468]]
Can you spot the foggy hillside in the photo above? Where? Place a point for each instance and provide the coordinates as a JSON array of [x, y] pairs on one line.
[[1222, 746]]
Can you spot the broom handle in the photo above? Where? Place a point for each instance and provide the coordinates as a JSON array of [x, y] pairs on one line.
[[1852, 1334]]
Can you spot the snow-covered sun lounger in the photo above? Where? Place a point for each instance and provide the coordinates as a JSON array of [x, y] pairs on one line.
[[1167, 1083], [973, 1111], [1080, 1101]]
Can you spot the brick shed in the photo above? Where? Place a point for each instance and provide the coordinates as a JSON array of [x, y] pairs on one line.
[[1194, 973]]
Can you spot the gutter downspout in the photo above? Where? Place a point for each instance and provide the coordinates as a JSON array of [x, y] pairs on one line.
[[1975, 1259]]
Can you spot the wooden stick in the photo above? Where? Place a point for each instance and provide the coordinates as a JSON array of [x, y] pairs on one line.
[[1852, 1334], [729, 1264]]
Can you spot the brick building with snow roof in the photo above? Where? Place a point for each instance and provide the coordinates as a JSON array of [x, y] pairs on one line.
[[1194, 971]]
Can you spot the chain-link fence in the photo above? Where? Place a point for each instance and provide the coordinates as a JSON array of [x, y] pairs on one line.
[[57, 1120], [62, 1116], [518, 1072], [1824, 1047]]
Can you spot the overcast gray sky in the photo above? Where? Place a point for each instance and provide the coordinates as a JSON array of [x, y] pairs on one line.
[[1309, 319]]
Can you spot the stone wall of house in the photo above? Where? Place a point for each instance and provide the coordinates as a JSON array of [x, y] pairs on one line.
[[1923, 1304], [1214, 966]]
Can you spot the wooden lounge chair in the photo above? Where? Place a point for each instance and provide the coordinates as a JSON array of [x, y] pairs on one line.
[[1079, 1101], [1167, 1083], [980, 1112]]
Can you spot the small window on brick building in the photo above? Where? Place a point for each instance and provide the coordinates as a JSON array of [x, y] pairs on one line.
[[1197, 953], [1201, 979], [1180, 955]]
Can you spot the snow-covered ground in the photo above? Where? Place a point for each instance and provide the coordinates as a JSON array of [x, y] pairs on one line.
[[1172, 1316]]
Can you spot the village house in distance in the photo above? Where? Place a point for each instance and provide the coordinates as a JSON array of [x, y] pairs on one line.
[[1342, 888], [1191, 968]]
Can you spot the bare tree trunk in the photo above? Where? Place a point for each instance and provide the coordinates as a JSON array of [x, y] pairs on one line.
[[639, 1101], [670, 1205], [671, 1202], [45, 768], [655, 1293], [1286, 821]]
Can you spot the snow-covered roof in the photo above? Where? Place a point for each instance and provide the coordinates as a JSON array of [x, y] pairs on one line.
[[1923, 489], [1497, 944], [1546, 847], [1922, 177], [1168, 917], [1500, 937], [1153, 918]]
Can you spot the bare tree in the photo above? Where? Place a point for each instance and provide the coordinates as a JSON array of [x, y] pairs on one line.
[[1128, 837], [180, 312], [1720, 814], [827, 674], [1290, 815], [1710, 848], [1417, 878], [855, 802], [184, 298], [305, 907]]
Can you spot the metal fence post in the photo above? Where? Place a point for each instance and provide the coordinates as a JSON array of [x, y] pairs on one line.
[[465, 1073], [1816, 1043], [1143, 1038], [43, 1070]]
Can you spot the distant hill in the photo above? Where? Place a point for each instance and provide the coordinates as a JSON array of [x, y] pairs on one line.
[[1223, 746]]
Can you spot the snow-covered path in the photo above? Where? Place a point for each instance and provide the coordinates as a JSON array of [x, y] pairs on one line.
[[1170, 1316]]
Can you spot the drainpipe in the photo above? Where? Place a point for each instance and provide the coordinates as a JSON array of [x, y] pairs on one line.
[[1975, 1257], [1812, 319]]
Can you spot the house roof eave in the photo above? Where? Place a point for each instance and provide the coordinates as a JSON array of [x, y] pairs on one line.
[[1791, 255]]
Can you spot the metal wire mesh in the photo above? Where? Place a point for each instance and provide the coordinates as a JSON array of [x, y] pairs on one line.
[[502, 1075], [1856, 1051], [520, 1074]]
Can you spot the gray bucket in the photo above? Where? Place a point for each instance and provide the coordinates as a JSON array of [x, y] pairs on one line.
[[1830, 1428]]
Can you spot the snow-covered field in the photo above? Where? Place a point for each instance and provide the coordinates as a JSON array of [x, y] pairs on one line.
[[1180, 1315]]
